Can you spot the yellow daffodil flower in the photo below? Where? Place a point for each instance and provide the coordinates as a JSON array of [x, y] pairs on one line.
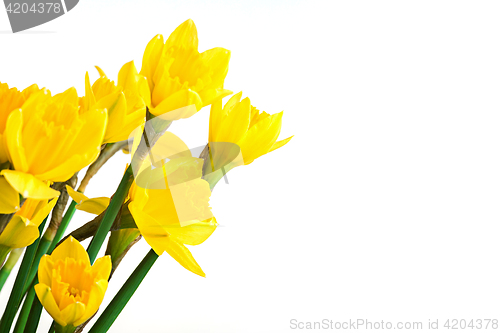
[[125, 104], [48, 140], [240, 123], [70, 288], [181, 79], [11, 99], [169, 201], [22, 229]]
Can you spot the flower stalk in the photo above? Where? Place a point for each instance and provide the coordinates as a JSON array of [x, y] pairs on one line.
[[128, 289]]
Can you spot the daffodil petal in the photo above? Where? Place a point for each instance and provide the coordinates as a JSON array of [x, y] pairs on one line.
[[49, 303], [9, 197], [154, 234], [70, 248], [13, 140], [45, 270], [94, 205], [279, 144], [185, 35], [192, 234], [40, 215], [151, 57], [28, 185], [180, 105], [19, 232], [102, 268], [73, 312], [78, 197], [95, 299], [183, 256]]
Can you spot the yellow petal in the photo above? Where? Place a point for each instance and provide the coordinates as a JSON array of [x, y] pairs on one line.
[[128, 77], [185, 36], [154, 234], [94, 205], [102, 268], [19, 232], [116, 105], [73, 312], [281, 143], [45, 270], [70, 96], [9, 198], [151, 58], [47, 299], [101, 72], [218, 60], [180, 105], [193, 234], [96, 296], [76, 196], [132, 121], [86, 146], [236, 124], [183, 256], [41, 214], [4, 154], [218, 114], [210, 96], [261, 137], [28, 185], [70, 248], [13, 140], [89, 99]]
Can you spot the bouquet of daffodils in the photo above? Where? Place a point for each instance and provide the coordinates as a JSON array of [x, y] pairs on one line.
[[163, 196]]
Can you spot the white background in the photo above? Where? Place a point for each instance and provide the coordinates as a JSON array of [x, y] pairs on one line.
[[385, 204]]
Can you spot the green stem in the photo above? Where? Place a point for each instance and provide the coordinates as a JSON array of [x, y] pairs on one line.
[[17, 291], [111, 212], [34, 316], [42, 249], [116, 306], [62, 227], [9, 265], [25, 310]]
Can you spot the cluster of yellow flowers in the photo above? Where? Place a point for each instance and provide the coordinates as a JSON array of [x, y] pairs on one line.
[[45, 140]]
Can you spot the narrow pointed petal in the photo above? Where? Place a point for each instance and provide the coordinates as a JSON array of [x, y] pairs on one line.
[[75, 195], [70, 248], [28, 185], [40, 215], [94, 205], [49, 303], [102, 268], [185, 36], [151, 58], [101, 72], [73, 312], [218, 60], [45, 270], [180, 105], [9, 198], [18, 233], [281, 143], [13, 140], [183, 256]]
